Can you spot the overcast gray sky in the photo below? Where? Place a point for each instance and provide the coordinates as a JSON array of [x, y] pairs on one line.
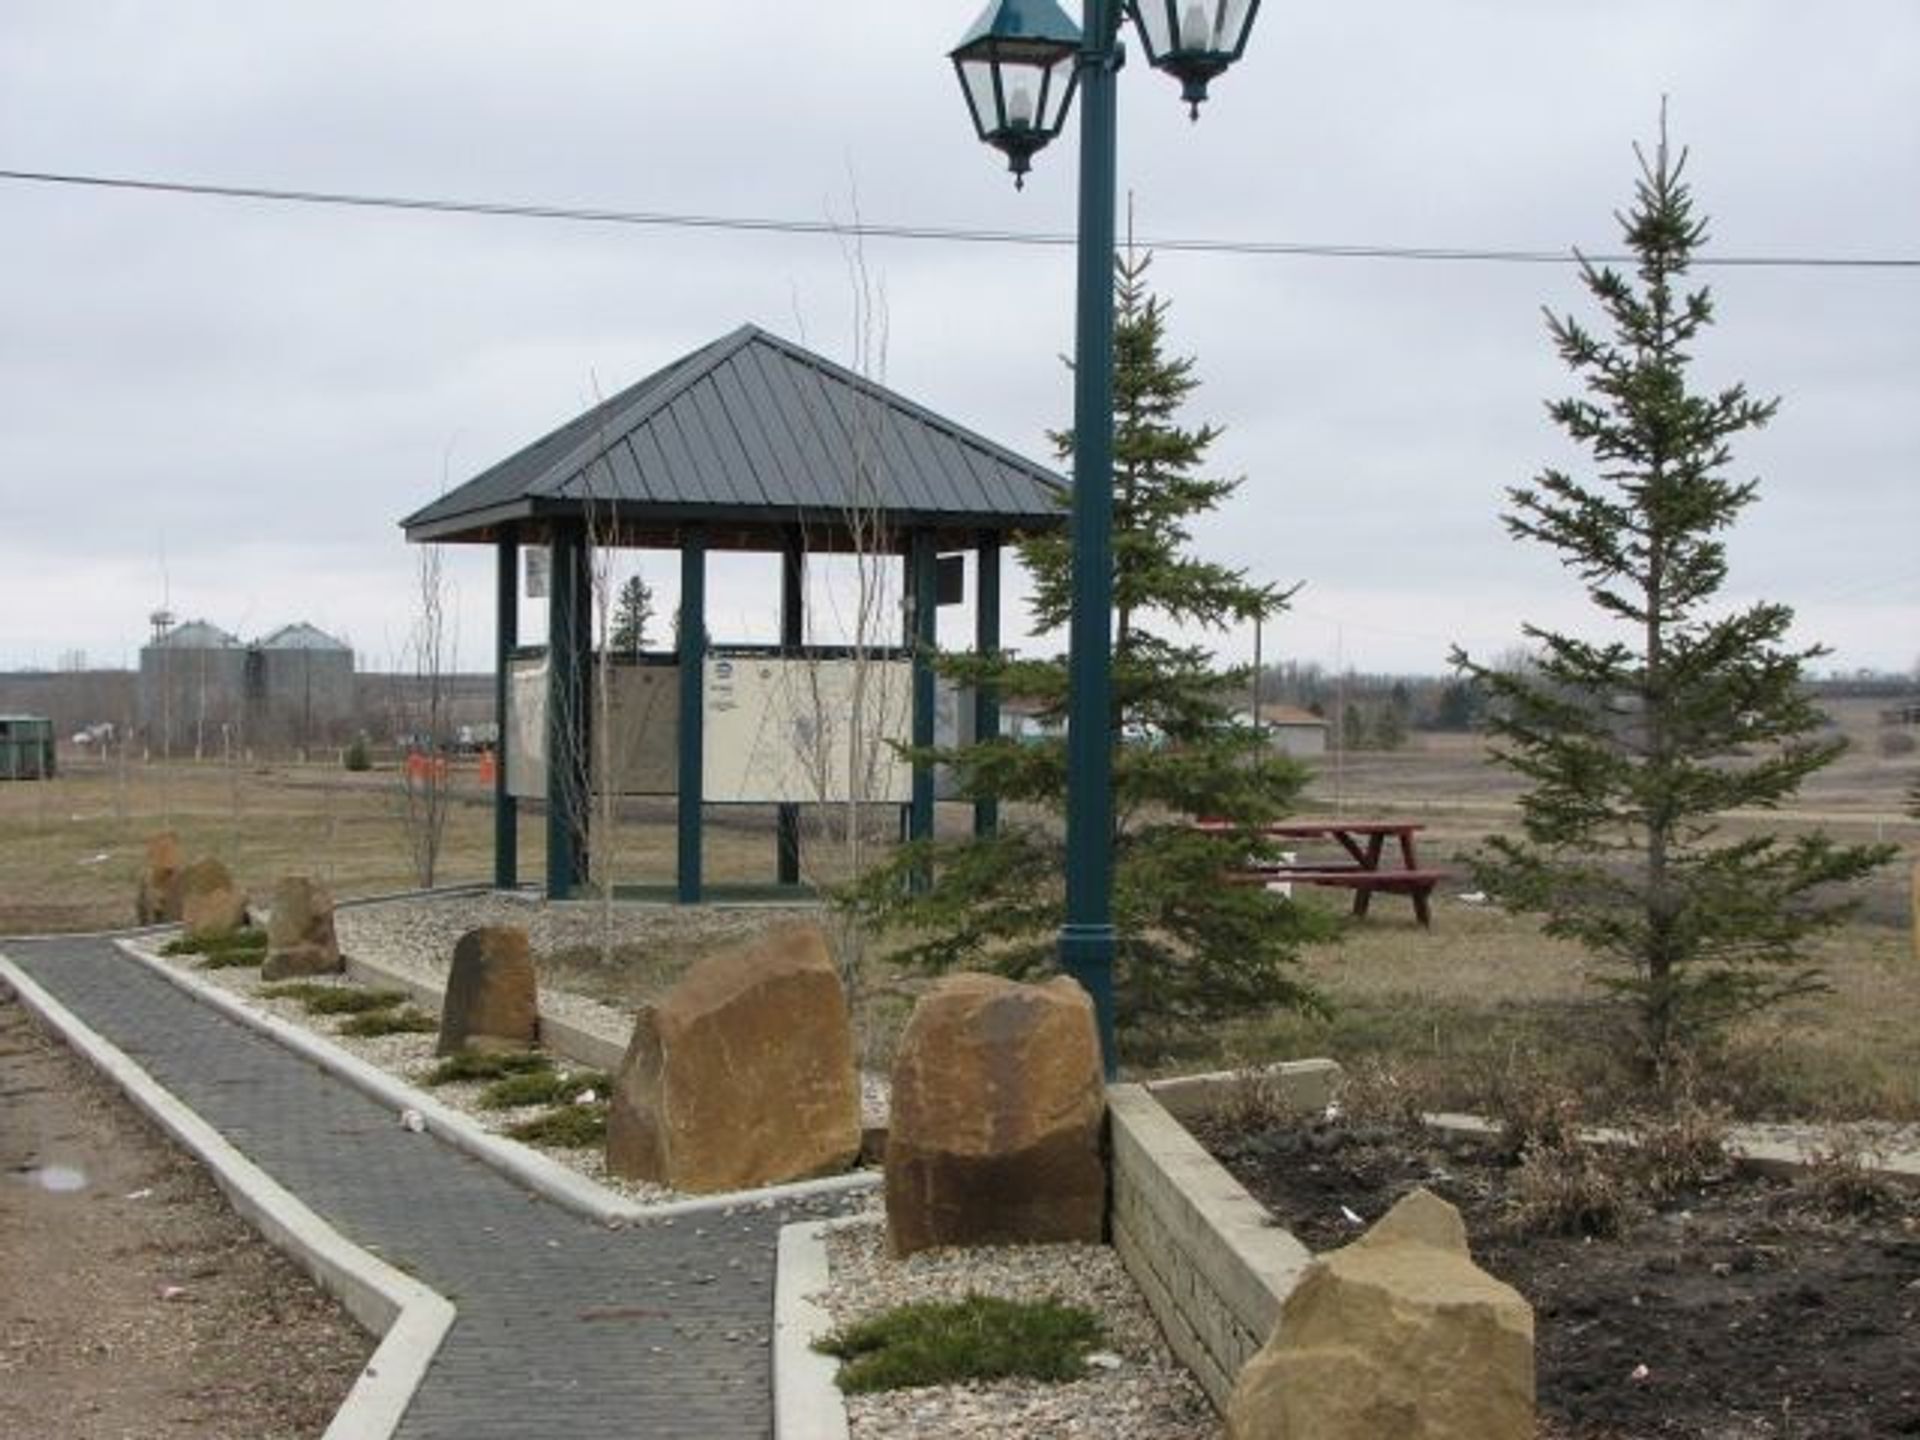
[[228, 405]]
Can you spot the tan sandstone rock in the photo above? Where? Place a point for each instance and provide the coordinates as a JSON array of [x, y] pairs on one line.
[[158, 901], [1399, 1334], [210, 903], [492, 1002], [743, 1075], [997, 1103], [300, 936]]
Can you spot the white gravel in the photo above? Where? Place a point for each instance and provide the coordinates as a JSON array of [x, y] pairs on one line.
[[1146, 1395]]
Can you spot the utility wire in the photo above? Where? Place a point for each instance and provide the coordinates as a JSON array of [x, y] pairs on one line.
[[766, 224]]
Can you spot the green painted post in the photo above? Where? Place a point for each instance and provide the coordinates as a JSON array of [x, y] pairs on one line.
[[986, 641], [1087, 937], [693, 665], [793, 574], [923, 585], [566, 712], [506, 612]]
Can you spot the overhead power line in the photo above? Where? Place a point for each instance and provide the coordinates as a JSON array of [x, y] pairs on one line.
[[873, 230]]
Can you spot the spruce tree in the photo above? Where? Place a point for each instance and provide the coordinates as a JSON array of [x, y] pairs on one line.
[[632, 613], [1638, 744], [1190, 947]]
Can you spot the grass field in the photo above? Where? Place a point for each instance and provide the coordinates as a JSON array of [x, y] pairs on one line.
[[1453, 1010]]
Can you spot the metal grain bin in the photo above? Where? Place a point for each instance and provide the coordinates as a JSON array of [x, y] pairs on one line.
[[26, 747]]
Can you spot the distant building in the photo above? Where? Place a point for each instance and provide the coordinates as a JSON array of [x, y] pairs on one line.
[[1291, 730]]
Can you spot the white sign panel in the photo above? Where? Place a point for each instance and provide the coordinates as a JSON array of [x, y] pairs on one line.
[[526, 730], [643, 720], [796, 730]]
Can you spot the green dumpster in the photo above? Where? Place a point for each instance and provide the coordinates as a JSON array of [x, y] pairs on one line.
[[26, 747]]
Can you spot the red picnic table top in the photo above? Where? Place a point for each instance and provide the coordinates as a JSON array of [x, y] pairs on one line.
[[1364, 871], [1311, 829]]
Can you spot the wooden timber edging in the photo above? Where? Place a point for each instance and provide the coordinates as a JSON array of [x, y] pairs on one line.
[[1211, 1264]]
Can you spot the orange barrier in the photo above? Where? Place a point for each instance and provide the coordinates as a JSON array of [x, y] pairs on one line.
[[419, 767]]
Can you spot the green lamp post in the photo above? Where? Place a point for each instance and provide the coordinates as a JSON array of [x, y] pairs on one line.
[[1020, 67]]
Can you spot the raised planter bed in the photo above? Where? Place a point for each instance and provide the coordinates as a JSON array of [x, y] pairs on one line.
[[1206, 1255]]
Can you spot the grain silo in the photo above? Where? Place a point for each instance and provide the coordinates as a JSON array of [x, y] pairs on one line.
[[300, 683], [193, 682]]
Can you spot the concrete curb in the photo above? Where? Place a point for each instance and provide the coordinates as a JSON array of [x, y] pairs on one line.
[[807, 1404], [520, 1163], [1752, 1149], [1295, 1085], [410, 1319]]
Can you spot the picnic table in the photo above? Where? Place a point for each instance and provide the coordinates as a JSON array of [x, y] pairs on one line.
[[1369, 867]]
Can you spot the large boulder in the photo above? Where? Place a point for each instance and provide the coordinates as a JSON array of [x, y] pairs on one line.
[[492, 1002], [300, 936], [211, 905], [743, 1074], [158, 900], [1398, 1334], [997, 1103]]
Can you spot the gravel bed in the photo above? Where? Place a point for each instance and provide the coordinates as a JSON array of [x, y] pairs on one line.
[[1137, 1390], [416, 938], [410, 1058]]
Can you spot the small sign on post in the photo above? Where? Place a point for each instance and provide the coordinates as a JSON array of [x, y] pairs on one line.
[[951, 580], [539, 567]]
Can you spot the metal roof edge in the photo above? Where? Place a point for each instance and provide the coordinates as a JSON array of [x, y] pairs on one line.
[[418, 530]]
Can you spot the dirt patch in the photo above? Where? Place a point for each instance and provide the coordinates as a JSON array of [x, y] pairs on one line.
[[134, 1302], [1758, 1313]]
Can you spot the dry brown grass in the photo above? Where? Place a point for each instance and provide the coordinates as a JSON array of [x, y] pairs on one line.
[[1483, 992], [71, 848]]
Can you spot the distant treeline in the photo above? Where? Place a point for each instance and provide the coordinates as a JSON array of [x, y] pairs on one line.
[[1377, 711]]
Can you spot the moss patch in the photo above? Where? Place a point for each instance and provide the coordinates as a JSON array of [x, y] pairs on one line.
[[571, 1127], [979, 1338], [541, 1087], [237, 948], [319, 999], [407, 1021], [486, 1065]]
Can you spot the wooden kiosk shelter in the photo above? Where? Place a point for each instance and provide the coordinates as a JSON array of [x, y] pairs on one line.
[[749, 443]]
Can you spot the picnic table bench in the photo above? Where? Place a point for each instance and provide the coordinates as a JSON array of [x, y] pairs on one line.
[[1364, 871]]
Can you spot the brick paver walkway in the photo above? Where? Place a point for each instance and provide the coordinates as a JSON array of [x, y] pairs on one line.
[[565, 1329]]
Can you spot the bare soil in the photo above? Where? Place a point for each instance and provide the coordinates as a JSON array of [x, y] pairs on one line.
[[1759, 1310], [133, 1302]]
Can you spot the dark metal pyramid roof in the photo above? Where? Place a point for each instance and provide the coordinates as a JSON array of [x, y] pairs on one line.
[[749, 435]]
